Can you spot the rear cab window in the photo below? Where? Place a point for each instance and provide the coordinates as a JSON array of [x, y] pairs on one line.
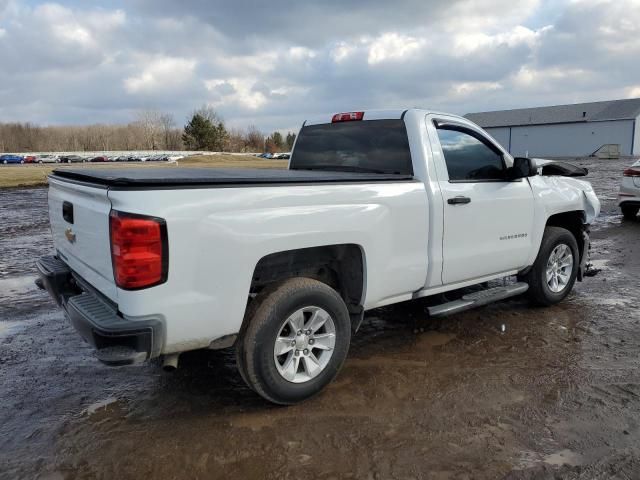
[[374, 146]]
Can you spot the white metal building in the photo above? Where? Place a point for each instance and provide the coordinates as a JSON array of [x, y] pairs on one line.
[[565, 130]]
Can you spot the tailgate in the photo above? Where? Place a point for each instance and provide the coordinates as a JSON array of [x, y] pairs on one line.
[[79, 216]]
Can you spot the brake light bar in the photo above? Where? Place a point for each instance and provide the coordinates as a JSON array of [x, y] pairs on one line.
[[631, 172], [139, 250], [347, 117]]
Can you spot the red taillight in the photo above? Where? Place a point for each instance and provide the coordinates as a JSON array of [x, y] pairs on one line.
[[631, 172], [139, 250], [347, 117]]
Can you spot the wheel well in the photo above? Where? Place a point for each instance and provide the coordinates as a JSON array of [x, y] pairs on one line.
[[339, 266], [572, 221]]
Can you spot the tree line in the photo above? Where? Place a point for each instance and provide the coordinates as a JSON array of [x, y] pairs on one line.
[[151, 130]]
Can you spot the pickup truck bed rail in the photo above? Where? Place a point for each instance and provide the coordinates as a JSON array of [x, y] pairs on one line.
[[180, 177]]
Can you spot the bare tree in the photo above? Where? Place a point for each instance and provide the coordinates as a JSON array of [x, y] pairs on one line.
[[167, 126], [150, 122], [208, 113], [151, 129], [254, 139]]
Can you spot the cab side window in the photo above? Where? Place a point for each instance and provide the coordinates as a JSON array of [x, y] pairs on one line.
[[468, 159]]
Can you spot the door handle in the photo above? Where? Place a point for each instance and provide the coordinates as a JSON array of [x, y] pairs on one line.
[[459, 200]]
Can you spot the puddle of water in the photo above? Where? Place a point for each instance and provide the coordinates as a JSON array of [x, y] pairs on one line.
[[101, 405], [600, 263], [17, 285], [612, 302], [564, 457], [7, 328], [254, 421], [435, 339]]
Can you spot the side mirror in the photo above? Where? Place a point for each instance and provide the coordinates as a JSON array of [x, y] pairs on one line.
[[522, 168]]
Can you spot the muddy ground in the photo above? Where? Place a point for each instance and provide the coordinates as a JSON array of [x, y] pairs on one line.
[[554, 395]]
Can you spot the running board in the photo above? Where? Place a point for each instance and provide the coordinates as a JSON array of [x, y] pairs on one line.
[[478, 299]]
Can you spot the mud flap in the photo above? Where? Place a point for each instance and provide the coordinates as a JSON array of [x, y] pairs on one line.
[[356, 313]]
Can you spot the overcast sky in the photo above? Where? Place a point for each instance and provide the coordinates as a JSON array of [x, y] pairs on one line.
[[273, 63]]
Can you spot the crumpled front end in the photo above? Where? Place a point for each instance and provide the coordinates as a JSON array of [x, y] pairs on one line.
[[566, 194]]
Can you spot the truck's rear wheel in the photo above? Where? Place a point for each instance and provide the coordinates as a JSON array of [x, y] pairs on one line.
[[296, 340], [554, 272], [629, 211]]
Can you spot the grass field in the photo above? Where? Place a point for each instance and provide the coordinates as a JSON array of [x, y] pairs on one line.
[[33, 175]]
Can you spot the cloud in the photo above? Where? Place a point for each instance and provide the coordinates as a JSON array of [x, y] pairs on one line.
[[160, 75], [472, 88], [274, 64], [394, 46], [242, 92]]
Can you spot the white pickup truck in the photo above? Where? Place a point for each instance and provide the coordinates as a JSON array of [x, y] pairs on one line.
[[376, 207]]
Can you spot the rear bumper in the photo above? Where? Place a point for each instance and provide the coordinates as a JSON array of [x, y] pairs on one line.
[[629, 193], [632, 201], [117, 340]]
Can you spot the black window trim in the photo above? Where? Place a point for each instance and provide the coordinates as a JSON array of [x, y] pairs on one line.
[[460, 127]]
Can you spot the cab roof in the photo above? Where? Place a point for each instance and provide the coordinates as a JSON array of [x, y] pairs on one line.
[[390, 114]]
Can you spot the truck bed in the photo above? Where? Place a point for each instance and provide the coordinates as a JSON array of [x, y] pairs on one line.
[[180, 177]]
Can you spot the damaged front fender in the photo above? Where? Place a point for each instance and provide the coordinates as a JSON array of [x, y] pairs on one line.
[[565, 194]]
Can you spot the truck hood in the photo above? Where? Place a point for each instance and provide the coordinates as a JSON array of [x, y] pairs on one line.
[[559, 168]]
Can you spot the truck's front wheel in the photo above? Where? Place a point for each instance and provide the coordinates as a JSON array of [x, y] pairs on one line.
[[554, 272], [296, 340]]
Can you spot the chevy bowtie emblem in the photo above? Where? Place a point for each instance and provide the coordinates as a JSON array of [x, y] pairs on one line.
[[70, 235]]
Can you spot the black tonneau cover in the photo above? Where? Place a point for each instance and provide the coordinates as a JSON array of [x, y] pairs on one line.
[[150, 177]]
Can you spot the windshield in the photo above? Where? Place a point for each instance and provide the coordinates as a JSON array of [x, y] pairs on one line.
[[379, 146]]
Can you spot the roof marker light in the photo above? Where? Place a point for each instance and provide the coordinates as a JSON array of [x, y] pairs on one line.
[[347, 117]]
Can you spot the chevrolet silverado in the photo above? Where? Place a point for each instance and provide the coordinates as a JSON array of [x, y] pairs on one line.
[[376, 207]]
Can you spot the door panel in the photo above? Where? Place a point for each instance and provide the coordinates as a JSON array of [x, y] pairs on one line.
[[491, 233], [488, 221]]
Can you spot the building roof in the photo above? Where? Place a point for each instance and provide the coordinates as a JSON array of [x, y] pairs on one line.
[[579, 112]]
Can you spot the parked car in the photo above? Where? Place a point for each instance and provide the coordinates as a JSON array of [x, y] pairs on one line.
[[629, 196], [71, 159], [409, 204], [100, 158], [11, 159], [47, 159], [30, 159]]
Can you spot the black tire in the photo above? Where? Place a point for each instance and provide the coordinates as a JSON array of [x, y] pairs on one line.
[[629, 212], [265, 316], [539, 291]]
